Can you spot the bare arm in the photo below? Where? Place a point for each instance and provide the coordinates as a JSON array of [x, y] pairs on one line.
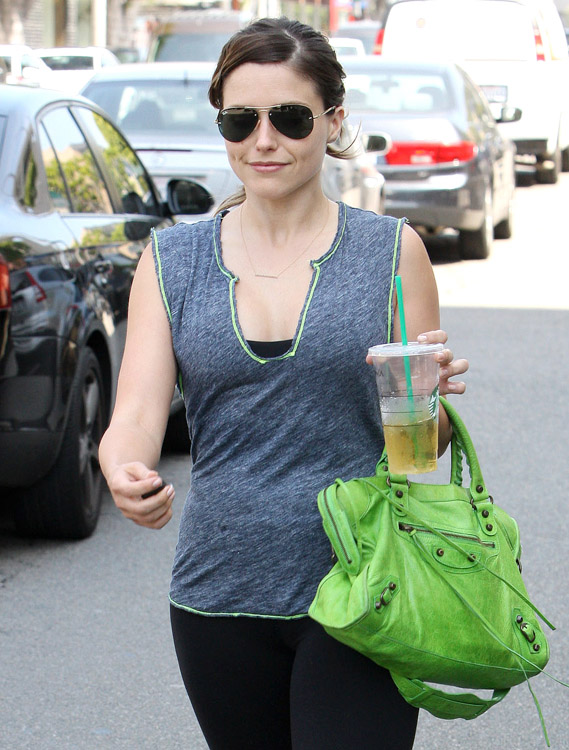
[[131, 446]]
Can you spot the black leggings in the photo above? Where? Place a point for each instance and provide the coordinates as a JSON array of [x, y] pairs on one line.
[[281, 684]]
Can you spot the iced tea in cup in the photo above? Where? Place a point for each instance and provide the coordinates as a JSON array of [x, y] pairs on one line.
[[407, 377]]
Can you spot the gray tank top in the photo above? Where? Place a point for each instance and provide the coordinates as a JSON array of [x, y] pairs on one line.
[[268, 434]]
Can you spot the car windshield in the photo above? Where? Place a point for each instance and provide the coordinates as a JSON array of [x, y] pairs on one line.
[[69, 62], [366, 34], [190, 47], [391, 91], [179, 107]]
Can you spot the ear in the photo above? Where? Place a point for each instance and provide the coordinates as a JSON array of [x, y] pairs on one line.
[[335, 123]]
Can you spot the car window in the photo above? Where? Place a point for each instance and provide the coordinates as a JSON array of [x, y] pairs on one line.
[[176, 107], [69, 62], [398, 91], [85, 183], [30, 187], [190, 47], [56, 186], [129, 177]]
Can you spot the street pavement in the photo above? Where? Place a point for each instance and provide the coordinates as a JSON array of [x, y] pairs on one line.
[[86, 658]]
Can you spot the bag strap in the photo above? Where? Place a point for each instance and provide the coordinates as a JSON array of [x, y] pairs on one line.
[[443, 704], [461, 444]]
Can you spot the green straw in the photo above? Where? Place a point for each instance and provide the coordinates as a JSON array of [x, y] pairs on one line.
[[401, 308]]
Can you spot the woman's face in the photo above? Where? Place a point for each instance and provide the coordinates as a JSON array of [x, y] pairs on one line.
[[269, 164]]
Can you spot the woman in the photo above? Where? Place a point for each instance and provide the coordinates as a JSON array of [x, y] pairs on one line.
[[264, 315]]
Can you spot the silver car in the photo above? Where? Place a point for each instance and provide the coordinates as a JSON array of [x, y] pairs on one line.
[[165, 112]]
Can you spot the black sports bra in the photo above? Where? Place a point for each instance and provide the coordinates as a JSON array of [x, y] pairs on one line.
[[270, 348]]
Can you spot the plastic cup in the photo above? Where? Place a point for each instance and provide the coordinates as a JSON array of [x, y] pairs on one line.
[[407, 377]]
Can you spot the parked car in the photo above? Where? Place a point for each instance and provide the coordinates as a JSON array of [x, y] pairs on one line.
[[448, 165], [165, 112], [23, 66], [367, 31], [73, 66], [345, 46], [76, 209], [515, 50], [194, 35]]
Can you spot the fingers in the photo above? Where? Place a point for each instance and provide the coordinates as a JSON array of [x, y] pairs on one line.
[[141, 495], [433, 337]]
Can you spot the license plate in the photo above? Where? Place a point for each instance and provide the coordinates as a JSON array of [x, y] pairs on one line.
[[497, 94]]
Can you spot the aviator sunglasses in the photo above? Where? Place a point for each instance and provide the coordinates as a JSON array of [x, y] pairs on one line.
[[293, 120]]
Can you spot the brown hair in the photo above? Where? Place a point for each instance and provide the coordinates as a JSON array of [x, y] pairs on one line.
[[302, 48]]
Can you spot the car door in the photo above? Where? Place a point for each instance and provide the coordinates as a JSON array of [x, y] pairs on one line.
[[493, 147], [108, 202]]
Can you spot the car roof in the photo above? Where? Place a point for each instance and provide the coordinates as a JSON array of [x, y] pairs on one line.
[[28, 100], [69, 50], [159, 70], [14, 48], [371, 62]]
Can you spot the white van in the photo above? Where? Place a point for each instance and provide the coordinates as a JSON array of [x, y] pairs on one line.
[[515, 50]]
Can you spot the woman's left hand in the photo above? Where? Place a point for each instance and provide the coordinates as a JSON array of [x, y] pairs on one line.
[[449, 367]]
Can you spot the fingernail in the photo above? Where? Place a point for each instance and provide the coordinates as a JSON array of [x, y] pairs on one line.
[[157, 482], [443, 372], [170, 491], [421, 337]]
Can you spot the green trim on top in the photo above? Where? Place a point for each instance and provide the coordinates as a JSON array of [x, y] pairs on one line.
[[393, 269], [233, 279], [237, 614], [164, 298], [160, 279]]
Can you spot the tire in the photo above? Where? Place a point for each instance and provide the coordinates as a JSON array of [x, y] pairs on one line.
[[476, 245], [177, 439], [549, 175], [565, 160], [503, 229], [66, 503]]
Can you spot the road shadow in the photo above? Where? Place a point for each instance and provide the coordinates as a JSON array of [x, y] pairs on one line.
[[442, 247]]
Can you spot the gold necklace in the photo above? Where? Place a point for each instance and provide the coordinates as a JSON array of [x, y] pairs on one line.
[[298, 257]]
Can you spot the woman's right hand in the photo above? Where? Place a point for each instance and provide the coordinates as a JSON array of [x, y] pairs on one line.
[[129, 482]]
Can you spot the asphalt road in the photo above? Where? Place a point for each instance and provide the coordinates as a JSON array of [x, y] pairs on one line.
[[86, 659]]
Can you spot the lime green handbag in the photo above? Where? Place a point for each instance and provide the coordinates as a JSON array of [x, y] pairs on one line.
[[428, 584]]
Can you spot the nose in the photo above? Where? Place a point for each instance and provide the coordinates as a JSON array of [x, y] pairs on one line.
[[266, 132]]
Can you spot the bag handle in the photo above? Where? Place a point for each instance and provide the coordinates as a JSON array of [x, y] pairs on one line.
[[443, 704], [461, 443]]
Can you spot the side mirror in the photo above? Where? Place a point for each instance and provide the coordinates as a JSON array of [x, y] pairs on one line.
[[187, 197], [377, 143], [509, 114]]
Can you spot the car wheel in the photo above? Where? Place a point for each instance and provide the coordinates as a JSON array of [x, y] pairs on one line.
[[476, 245], [503, 229], [66, 503], [548, 175], [565, 160], [177, 439]]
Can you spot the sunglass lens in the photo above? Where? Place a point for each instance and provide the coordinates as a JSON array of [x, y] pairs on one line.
[[235, 125], [292, 120]]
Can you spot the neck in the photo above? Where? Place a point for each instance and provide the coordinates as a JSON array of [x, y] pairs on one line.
[[280, 220]]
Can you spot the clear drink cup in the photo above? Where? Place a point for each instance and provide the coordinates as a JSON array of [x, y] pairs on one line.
[[407, 378]]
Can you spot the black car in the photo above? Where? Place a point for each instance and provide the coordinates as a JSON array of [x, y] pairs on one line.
[[76, 210], [449, 165]]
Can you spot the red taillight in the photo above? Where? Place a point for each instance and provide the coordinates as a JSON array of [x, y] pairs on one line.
[[417, 153], [539, 48], [378, 46], [5, 292]]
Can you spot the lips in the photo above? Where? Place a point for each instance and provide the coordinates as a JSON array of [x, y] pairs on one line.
[[266, 166]]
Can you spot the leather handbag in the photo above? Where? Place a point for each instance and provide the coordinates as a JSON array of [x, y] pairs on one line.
[[428, 584]]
